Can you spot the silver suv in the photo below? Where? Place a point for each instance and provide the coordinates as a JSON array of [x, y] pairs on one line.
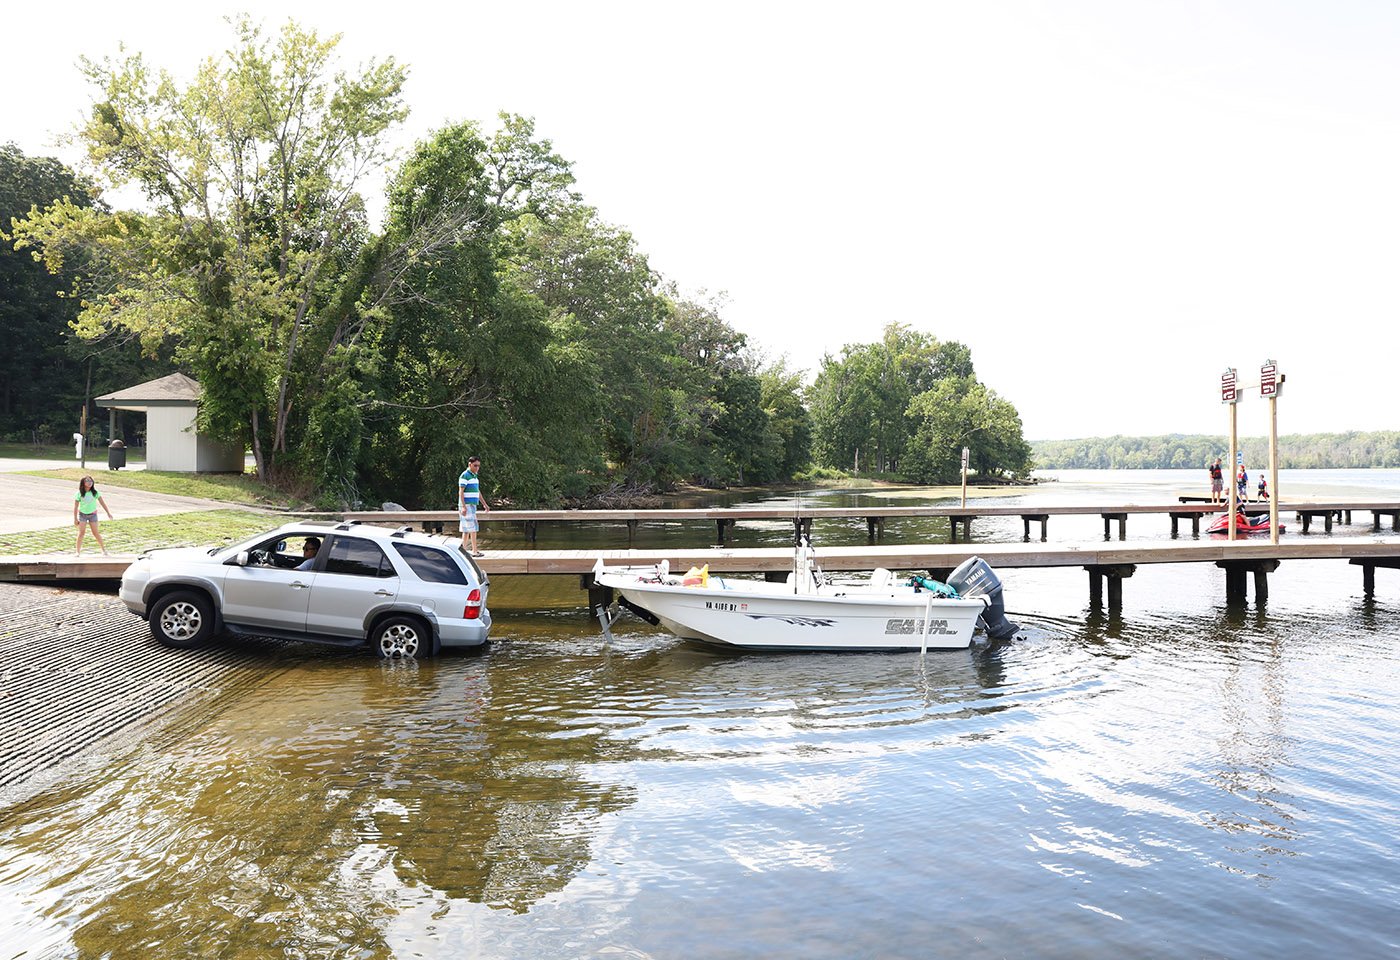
[[407, 594]]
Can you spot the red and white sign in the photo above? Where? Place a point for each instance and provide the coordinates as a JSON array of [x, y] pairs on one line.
[[1268, 380], [1228, 393]]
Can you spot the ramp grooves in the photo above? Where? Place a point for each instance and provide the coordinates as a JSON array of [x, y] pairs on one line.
[[78, 669]]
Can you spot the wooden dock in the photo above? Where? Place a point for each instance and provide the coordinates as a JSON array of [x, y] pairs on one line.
[[960, 518], [1106, 564]]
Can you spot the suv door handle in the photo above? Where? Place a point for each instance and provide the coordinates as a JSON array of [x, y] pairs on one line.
[[382, 593], [297, 585]]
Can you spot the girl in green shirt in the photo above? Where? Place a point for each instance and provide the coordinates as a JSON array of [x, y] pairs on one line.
[[85, 506]]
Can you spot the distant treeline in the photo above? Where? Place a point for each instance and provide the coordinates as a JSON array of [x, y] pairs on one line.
[[1297, 451]]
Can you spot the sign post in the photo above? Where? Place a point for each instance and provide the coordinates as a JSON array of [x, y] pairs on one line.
[[1269, 380], [1230, 395], [964, 476]]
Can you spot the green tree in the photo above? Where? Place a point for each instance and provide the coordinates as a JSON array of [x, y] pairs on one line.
[[860, 402], [597, 285], [962, 412], [47, 373], [471, 362], [789, 433], [255, 256]]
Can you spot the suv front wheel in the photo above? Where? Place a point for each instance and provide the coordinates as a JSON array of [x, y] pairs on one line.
[[182, 619], [401, 638]]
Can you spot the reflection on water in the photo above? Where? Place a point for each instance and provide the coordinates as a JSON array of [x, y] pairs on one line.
[[1175, 781]]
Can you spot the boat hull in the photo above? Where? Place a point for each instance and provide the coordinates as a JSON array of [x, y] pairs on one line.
[[726, 615]]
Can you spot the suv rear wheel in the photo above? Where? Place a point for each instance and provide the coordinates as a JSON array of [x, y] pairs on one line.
[[401, 638], [182, 619]]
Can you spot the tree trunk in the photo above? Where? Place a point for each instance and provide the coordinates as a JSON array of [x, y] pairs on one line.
[[257, 449]]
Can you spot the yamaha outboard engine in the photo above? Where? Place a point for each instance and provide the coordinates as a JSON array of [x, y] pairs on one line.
[[973, 578]]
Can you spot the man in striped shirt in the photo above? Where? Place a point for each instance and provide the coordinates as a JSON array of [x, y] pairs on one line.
[[468, 499]]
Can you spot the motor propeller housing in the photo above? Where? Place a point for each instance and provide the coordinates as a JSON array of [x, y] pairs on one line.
[[974, 578]]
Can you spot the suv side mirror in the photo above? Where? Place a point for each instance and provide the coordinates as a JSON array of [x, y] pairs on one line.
[[242, 558]]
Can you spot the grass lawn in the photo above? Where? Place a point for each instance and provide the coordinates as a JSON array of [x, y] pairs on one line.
[[144, 533], [97, 456], [230, 487]]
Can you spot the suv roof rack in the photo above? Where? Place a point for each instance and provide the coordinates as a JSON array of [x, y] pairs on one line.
[[348, 524], [401, 531]]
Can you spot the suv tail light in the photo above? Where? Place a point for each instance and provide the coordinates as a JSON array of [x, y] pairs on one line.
[[472, 611]]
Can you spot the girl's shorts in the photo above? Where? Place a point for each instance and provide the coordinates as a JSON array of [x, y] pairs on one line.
[[88, 518]]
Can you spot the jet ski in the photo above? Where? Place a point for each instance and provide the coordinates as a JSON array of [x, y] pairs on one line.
[[1244, 523]]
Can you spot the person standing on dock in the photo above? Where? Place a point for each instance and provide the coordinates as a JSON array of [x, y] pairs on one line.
[[1243, 483], [1263, 487], [85, 505], [468, 499], [1217, 481]]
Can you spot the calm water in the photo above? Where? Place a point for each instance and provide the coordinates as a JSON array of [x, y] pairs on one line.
[[1179, 781]]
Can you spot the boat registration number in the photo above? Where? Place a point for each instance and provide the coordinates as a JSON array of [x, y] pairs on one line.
[[725, 605]]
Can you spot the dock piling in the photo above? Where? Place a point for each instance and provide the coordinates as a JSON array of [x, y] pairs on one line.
[[1115, 574], [1026, 519]]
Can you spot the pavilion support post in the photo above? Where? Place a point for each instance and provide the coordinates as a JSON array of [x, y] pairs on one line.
[[723, 528], [631, 532], [532, 529]]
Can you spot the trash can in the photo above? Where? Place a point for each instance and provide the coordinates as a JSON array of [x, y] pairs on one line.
[[116, 455]]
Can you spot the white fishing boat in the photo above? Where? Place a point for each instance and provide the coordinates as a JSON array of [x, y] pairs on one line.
[[809, 611]]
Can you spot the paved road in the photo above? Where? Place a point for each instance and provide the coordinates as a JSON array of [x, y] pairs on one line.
[[97, 465], [39, 503]]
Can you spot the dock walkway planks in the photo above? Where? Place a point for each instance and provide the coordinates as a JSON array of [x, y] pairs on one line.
[[765, 559], [875, 518], [1108, 562]]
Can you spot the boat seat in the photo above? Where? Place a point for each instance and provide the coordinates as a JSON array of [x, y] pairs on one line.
[[880, 577]]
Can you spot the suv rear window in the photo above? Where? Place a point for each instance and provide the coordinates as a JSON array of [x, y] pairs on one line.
[[431, 565], [359, 558]]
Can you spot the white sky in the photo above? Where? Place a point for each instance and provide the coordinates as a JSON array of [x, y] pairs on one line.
[[1109, 202]]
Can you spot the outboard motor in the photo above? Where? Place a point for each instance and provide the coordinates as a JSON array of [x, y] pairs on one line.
[[974, 578]]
